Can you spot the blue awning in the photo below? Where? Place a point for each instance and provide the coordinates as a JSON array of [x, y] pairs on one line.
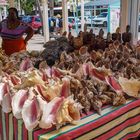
[[90, 5]]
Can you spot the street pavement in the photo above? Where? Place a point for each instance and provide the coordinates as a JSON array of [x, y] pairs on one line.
[[36, 43]]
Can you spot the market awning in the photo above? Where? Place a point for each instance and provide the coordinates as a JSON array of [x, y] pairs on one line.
[[90, 5]]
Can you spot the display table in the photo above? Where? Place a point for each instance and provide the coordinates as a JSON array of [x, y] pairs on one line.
[[115, 123]]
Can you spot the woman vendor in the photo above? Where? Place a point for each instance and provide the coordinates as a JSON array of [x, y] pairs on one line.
[[12, 31]]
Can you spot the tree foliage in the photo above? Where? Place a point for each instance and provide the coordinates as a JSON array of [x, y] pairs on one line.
[[27, 6]]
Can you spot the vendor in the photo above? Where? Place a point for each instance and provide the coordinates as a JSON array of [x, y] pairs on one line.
[[12, 31]]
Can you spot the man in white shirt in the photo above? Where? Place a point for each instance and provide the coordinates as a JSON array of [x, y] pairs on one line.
[[57, 24]]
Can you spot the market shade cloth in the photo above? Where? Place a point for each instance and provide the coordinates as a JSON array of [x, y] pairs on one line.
[[121, 122]]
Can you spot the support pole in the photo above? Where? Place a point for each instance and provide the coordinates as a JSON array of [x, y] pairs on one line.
[[91, 16], [4, 12], [82, 15], [94, 10], [65, 15], [130, 16], [134, 20], [77, 26], [75, 18], [0, 15], [39, 10], [19, 7], [108, 20], [51, 8], [45, 20], [124, 14]]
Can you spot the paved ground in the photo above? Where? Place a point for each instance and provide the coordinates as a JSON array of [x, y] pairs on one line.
[[36, 43]]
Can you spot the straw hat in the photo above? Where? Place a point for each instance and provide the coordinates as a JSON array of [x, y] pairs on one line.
[[58, 16]]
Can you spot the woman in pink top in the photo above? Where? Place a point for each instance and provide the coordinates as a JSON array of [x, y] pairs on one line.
[[12, 30]]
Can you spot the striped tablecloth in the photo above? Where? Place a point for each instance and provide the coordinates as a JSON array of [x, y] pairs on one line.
[[115, 123]]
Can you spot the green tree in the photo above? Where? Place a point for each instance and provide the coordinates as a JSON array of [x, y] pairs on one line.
[[27, 6]]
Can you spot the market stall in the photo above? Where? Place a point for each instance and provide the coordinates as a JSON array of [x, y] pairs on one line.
[[48, 99], [115, 123], [44, 94]]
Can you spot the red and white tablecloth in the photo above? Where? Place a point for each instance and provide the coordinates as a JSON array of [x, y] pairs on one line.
[[115, 123]]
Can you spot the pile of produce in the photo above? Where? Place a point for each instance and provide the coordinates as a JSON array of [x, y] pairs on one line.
[[77, 82]]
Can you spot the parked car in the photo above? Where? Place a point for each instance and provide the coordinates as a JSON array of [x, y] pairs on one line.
[[101, 19], [36, 23], [89, 20]]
